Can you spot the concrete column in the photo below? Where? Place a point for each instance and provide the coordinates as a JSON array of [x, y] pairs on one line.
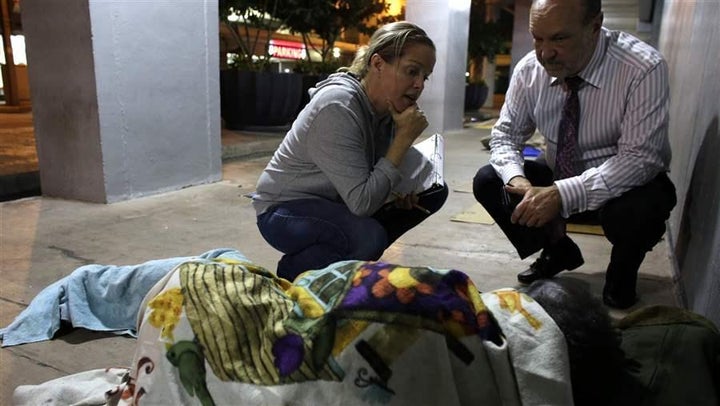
[[125, 96], [447, 22]]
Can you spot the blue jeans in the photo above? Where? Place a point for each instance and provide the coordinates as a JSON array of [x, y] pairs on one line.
[[314, 233]]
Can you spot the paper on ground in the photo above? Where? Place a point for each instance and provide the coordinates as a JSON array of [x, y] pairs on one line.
[[475, 214], [478, 214], [585, 229]]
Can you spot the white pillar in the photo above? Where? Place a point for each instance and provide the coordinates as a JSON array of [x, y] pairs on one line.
[[489, 78], [125, 96], [447, 22]]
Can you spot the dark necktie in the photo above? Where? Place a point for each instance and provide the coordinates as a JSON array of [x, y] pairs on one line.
[[568, 131]]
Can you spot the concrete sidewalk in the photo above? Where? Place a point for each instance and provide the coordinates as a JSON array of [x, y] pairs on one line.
[[44, 239]]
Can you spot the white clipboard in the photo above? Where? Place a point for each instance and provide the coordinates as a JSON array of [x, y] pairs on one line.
[[423, 166]]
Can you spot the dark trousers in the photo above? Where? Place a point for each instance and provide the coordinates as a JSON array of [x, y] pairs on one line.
[[314, 233], [633, 222]]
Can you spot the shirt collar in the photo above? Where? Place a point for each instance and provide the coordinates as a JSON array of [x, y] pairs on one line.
[[592, 74]]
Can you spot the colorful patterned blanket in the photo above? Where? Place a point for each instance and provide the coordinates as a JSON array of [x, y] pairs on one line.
[[225, 331]]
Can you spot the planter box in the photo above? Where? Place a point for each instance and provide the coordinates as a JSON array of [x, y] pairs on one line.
[[475, 96], [259, 99]]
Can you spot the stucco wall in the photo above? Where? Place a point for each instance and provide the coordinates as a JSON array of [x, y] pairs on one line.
[[447, 23], [156, 66], [64, 100], [522, 41], [690, 40], [125, 96]]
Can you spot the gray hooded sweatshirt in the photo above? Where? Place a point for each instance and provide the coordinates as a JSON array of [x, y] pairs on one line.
[[335, 150]]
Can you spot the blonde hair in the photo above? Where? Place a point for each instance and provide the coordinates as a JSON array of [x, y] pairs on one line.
[[389, 41]]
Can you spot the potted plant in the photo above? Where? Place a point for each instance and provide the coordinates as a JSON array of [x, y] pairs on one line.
[[328, 20], [251, 94], [476, 92], [321, 24], [248, 24]]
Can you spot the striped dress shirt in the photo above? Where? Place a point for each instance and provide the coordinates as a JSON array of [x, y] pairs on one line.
[[623, 140]]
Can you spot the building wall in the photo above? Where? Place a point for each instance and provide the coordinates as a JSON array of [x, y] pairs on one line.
[[690, 40], [65, 114], [522, 41], [443, 99], [158, 86], [126, 96]]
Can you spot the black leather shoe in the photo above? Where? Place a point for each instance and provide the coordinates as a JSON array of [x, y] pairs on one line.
[[563, 256], [617, 300]]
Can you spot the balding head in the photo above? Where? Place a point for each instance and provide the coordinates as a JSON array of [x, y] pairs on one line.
[[564, 37], [586, 9]]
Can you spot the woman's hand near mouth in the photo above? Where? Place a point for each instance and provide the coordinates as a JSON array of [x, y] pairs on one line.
[[409, 124]]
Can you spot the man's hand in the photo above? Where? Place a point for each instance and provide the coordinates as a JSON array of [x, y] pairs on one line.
[[520, 182], [538, 207]]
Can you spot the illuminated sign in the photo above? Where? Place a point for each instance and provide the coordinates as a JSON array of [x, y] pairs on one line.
[[287, 49]]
